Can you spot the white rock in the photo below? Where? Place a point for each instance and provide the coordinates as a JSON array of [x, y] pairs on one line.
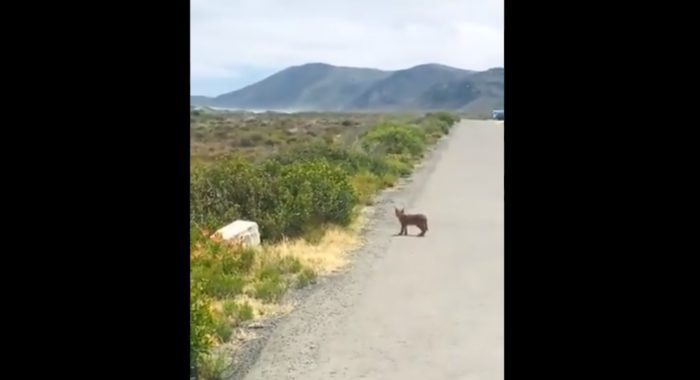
[[245, 231]]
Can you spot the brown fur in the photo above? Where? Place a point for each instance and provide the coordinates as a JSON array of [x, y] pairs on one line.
[[418, 220]]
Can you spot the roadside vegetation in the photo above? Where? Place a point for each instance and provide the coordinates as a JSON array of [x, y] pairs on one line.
[[304, 178]]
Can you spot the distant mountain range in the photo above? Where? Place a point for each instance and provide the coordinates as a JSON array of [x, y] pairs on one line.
[[323, 87]]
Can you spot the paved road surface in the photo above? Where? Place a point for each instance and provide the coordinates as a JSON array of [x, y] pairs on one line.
[[413, 308]]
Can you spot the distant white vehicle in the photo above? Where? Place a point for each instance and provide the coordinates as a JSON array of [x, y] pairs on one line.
[[498, 114]]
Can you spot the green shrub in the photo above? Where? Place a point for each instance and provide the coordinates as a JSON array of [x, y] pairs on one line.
[[223, 328], [212, 366], [435, 127], [237, 312], [201, 323], [220, 285], [218, 269], [351, 161], [365, 185], [309, 192], [230, 308], [438, 123], [446, 117], [281, 198], [388, 180], [390, 138], [216, 189], [237, 261], [245, 312], [270, 289], [400, 164], [270, 272], [245, 259], [196, 236]]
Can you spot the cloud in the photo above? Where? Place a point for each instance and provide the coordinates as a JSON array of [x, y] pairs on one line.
[[227, 36]]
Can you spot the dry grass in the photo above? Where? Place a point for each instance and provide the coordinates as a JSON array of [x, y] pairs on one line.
[[214, 135], [261, 309], [328, 255]]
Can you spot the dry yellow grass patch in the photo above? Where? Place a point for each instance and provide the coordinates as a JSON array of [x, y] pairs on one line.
[[261, 309], [329, 254]]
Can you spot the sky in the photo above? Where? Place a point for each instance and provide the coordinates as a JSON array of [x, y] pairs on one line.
[[235, 43]]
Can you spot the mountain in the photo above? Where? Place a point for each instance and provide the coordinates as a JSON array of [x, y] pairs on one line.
[[311, 86], [323, 87], [478, 92], [403, 89]]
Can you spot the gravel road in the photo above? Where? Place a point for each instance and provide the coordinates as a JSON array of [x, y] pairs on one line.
[[409, 307]]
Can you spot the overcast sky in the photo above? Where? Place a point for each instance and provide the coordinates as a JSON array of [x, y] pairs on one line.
[[238, 42]]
